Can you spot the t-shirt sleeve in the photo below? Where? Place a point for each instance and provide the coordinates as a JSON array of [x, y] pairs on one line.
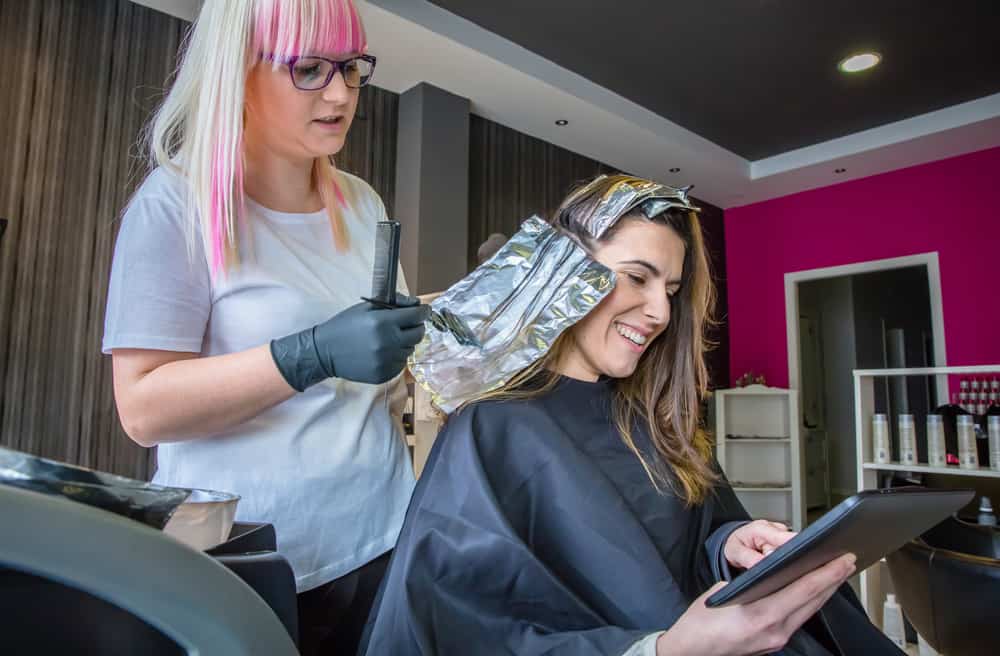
[[644, 647], [159, 296]]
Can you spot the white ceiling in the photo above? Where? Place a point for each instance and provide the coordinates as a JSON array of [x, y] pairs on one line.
[[417, 41]]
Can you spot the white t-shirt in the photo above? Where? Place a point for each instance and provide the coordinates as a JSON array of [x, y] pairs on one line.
[[328, 467]]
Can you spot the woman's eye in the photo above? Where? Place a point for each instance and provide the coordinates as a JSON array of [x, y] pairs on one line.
[[307, 71], [638, 280]]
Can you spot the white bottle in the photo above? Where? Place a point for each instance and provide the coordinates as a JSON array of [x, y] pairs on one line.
[[907, 441], [968, 458], [880, 438], [892, 622], [994, 435], [935, 442], [986, 516], [924, 649]]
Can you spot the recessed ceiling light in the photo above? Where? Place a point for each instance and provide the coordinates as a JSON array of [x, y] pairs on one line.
[[860, 62], [675, 170], [561, 122], [839, 170]]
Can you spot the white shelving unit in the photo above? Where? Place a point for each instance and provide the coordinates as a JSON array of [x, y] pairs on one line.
[[757, 437], [872, 580]]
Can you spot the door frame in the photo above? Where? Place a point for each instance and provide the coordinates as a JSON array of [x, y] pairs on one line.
[[929, 260]]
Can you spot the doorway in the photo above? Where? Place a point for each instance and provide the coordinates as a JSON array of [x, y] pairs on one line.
[[871, 315]]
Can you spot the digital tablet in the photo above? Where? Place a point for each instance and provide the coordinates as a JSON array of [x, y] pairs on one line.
[[870, 525]]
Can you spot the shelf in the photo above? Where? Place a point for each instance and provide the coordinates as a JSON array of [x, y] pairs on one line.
[[874, 582], [758, 445], [928, 371], [757, 390], [751, 488], [983, 472], [758, 440]]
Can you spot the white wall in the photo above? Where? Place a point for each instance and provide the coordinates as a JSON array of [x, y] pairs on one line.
[[186, 9]]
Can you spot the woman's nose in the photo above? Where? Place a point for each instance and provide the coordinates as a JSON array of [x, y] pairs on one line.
[[337, 91], [657, 307]]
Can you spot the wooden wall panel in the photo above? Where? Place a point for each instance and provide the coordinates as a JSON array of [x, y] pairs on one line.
[[79, 81]]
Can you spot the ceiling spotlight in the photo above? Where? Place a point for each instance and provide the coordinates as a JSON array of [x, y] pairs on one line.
[[839, 170], [561, 122], [859, 62], [675, 170]]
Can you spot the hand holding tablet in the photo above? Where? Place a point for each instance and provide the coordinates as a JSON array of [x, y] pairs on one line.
[[869, 525]]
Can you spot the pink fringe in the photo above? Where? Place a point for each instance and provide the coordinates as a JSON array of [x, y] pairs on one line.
[[338, 29]]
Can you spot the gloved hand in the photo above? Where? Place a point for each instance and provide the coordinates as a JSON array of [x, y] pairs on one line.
[[364, 343]]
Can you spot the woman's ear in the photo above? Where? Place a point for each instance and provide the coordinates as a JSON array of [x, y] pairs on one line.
[[250, 89]]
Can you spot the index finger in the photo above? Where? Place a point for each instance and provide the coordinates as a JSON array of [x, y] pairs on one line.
[[767, 537], [408, 317], [778, 537]]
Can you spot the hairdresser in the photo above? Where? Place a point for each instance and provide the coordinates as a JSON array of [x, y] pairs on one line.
[[239, 342]]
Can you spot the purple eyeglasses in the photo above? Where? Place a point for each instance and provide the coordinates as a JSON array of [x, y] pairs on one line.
[[315, 73]]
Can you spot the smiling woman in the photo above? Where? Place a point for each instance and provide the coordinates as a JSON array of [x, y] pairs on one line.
[[577, 509], [664, 289]]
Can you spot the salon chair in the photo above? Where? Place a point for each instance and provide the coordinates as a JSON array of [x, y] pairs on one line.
[[76, 579], [948, 585]]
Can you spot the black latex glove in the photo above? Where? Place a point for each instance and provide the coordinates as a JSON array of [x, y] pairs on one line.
[[364, 343]]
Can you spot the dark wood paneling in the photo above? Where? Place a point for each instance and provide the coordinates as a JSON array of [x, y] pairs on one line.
[[78, 83], [370, 150], [513, 175], [713, 227]]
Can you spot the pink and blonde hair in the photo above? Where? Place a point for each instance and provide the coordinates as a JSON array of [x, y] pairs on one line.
[[198, 130]]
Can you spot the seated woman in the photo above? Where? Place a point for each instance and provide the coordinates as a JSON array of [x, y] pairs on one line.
[[578, 508]]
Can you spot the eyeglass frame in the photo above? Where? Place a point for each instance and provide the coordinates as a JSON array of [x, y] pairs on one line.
[[337, 67]]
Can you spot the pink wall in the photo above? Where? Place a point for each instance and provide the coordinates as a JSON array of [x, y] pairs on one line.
[[951, 206]]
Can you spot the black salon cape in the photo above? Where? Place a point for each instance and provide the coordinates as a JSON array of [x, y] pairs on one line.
[[534, 530]]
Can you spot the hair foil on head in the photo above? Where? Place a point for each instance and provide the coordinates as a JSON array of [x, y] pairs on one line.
[[650, 198], [506, 314]]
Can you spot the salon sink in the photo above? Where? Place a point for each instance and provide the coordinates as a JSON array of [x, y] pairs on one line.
[[948, 584]]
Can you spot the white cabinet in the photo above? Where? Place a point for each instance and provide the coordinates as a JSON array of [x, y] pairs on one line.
[[759, 449]]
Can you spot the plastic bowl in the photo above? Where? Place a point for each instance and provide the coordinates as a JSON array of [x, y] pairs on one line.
[[204, 520]]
